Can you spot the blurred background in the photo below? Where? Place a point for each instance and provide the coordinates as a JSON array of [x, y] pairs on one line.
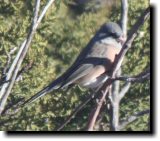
[[65, 30]]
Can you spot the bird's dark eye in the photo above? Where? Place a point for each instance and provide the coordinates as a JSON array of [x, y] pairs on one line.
[[115, 35]]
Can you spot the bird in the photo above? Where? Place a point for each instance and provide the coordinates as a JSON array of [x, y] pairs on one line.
[[94, 63]]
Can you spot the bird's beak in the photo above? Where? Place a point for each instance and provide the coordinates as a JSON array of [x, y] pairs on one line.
[[122, 39]]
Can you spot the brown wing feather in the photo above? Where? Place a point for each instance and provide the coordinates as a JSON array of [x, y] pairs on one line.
[[107, 51]]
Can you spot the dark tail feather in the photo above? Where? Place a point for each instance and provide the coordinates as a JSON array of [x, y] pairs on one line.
[[49, 88]]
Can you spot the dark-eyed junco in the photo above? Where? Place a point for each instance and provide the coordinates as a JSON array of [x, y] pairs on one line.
[[94, 63]]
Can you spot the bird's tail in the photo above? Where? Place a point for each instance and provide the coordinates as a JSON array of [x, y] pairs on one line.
[[47, 89]]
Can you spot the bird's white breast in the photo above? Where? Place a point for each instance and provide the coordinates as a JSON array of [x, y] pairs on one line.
[[111, 41]]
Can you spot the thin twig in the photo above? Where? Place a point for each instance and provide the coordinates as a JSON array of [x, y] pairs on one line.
[[132, 118], [94, 113], [5, 93], [145, 75], [75, 112], [44, 12], [6, 66], [8, 59], [13, 71], [124, 90]]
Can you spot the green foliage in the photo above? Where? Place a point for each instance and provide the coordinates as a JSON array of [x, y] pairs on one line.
[[60, 37]]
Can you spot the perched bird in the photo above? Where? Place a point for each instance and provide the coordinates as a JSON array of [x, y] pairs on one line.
[[94, 64]]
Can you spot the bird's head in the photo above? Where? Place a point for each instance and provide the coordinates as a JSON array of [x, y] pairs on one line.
[[112, 30]]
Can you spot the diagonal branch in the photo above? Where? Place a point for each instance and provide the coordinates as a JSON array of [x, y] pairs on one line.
[[145, 75], [131, 37], [91, 96], [8, 86], [6, 66], [117, 64], [94, 113], [13, 71], [124, 90], [8, 59]]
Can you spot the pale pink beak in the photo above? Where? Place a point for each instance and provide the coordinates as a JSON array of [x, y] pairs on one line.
[[122, 39]]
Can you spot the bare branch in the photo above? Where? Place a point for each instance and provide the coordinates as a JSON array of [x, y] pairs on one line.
[[123, 20], [114, 96], [6, 66], [114, 103], [124, 90], [119, 59], [5, 92], [8, 59], [75, 112], [44, 12], [132, 118], [94, 113], [124, 16], [145, 75], [116, 84], [131, 37], [117, 64], [13, 71]]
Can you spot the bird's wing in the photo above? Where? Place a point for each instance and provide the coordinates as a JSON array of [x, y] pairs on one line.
[[99, 55], [68, 77], [79, 72], [85, 64]]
